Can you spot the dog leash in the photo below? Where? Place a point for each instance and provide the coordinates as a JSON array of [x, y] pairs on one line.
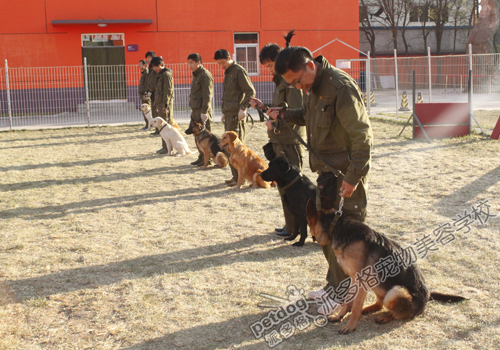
[[336, 219]]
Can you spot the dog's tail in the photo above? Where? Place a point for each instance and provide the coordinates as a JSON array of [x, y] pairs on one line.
[[221, 160], [446, 298]]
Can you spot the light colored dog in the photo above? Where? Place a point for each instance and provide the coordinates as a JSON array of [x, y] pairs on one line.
[[146, 110], [248, 164], [172, 137]]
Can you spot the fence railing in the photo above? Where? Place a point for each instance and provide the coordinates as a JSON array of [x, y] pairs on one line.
[[60, 96], [437, 79]]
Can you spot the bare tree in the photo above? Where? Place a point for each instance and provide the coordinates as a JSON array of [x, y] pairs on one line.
[[367, 26]]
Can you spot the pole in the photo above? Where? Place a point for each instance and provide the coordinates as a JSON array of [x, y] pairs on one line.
[[430, 76], [9, 107], [397, 80], [86, 89], [470, 84], [368, 83]]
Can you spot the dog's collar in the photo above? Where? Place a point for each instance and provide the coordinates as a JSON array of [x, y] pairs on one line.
[[163, 127], [297, 178], [234, 150]]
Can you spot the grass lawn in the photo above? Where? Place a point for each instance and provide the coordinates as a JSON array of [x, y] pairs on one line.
[[107, 245]]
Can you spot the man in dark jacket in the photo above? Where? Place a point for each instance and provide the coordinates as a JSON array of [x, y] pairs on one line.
[[238, 91], [200, 98], [338, 131]]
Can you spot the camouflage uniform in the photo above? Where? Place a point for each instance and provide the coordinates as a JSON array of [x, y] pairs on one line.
[[238, 91], [338, 129], [200, 99], [285, 142]]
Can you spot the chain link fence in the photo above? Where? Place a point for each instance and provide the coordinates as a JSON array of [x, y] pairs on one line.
[[94, 95], [60, 95]]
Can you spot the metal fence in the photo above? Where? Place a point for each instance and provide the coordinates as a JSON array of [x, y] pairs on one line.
[[386, 81], [60, 96]]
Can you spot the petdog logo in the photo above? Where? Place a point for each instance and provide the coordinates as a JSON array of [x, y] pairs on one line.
[[290, 314]]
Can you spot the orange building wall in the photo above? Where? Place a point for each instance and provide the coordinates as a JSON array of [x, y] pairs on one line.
[[28, 38]]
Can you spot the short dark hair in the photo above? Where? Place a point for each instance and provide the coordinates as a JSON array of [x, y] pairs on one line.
[[222, 55], [269, 52], [157, 61], [142, 61], [292, 58], [150, 53], [195, 57]]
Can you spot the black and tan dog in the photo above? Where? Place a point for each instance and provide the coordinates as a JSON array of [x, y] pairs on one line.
[[298, 189], [356, 247], [208, 144]]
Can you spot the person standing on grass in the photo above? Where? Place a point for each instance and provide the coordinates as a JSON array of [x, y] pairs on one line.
[[164, 99], [151, 80], [338, 131], [284, 142], [200, 98], [143, 66], [237, 92]]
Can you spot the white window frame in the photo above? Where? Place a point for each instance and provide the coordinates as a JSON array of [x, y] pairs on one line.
[[91, 34], [246, 46]]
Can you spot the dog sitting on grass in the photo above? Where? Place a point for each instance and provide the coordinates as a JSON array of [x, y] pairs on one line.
[[298, 190], [146, 110], [358, 248], [208, 144], [171, 137], [248, 164]]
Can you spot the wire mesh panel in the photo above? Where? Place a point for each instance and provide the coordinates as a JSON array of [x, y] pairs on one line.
[[57, 95]]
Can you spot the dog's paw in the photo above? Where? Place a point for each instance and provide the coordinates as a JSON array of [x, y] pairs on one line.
[[347, 329]]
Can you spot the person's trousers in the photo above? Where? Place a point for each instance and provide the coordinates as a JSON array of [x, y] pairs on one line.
[[231, 123], [354, 207]]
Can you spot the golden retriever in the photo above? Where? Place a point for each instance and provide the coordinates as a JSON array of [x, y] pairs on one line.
[[247, 163]]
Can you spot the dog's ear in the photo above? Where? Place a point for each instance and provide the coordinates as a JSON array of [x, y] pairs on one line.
[[311, 208], [232, 135], [326, 203]]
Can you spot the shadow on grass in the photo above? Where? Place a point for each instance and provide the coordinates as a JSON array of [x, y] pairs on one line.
[[470, 191], [235, 332], [94, 132], [195, 259], [150, 155], [94, 205], [167, 170], [80, 142], [422, 149]]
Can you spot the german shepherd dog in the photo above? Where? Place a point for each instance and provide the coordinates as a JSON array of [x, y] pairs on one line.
[[357, 247], [298, 189], [208, 144]]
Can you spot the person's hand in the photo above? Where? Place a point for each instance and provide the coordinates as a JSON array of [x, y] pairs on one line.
[[269, 125], [148, 94], [223, 118], [256, 102], [347, 189], [242, 114], [203, 117], [164, 109], [274, 113]]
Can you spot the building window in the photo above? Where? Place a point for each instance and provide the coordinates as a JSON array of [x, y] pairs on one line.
[[419, 14], [102, 40], [363, 14], [246, 47]]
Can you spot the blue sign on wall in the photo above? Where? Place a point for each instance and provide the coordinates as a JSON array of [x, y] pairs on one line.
[[132, 48]]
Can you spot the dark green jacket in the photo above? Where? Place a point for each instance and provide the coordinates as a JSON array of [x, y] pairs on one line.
[[238, 90], [151, 80], [337, 124], [164, 89], [142, 83], [202, 91], [293, 97]]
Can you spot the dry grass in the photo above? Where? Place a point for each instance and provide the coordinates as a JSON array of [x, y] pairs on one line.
[[106, 245]]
